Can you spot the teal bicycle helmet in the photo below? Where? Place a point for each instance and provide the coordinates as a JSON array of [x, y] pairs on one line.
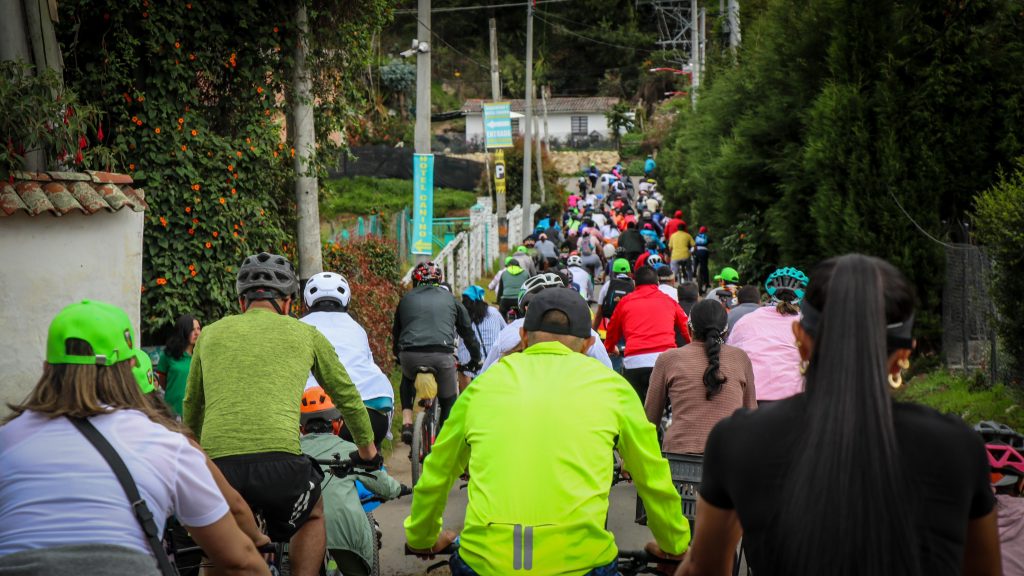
[[786, 284]]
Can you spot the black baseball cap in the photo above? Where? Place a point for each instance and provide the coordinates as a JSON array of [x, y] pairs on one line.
[[566, 301]]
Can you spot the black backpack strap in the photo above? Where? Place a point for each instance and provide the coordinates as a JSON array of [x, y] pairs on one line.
[[139, 507]]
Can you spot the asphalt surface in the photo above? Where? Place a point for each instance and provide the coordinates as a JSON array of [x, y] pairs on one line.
[[394, 562]]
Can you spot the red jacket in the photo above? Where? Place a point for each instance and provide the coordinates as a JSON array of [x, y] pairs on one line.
[[648, 319], [671, 227]]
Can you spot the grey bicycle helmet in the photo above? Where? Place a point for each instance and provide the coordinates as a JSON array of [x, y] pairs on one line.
[[266, 276]]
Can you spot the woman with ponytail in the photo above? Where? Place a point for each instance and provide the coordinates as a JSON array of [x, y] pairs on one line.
[[841, 479], [703, 381]]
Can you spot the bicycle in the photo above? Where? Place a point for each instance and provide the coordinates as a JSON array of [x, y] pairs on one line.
[[428, 420], [627, 562]]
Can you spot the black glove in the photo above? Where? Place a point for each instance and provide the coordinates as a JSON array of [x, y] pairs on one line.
[[372, 465], [473, 366]]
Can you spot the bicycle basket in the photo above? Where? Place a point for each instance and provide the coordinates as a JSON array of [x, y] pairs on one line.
[[686, 470]]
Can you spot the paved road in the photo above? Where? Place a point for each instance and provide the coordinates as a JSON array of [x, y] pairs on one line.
[[628, 535]]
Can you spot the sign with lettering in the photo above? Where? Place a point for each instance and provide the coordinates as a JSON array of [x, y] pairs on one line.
[[423, 204]]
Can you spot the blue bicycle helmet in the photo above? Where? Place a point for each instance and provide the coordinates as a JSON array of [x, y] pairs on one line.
[[786, 284]]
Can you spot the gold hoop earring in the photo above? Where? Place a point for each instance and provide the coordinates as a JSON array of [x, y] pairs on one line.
[[903, 363], [803, 367], [896, 380]]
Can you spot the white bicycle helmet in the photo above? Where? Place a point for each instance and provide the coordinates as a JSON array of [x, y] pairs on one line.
[[327, 285], [653, 260], [574, 260], [538, 283]]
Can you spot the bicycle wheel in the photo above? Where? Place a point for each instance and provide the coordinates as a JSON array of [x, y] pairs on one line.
[[419, 443], [375, 569]]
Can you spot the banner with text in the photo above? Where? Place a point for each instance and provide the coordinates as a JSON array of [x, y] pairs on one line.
[[498, 125], [423, 204]]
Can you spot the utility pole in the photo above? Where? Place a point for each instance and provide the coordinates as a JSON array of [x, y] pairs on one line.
[[496, 96], [422, 133], [540, 156], [528, 138], [303, 129], [694, 51], [734, 24]]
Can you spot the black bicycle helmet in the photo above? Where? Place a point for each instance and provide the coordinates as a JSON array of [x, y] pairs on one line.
[[266, 276]]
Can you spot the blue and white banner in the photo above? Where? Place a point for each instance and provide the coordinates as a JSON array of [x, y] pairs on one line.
[[498, 125], [423, 203]]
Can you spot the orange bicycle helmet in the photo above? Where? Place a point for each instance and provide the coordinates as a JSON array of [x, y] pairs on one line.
[[317, 405]]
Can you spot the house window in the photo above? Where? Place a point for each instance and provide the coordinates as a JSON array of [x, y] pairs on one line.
[[579, 125], [515, 126]]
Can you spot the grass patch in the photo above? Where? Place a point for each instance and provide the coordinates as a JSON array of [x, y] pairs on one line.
[[966, 396], [365, 195]]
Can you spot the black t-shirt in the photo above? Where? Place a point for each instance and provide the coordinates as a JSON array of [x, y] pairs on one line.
[[748, 456]]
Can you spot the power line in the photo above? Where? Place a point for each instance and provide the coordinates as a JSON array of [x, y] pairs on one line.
[[454, 49], [480, 7], [563, 29], [919, 227]]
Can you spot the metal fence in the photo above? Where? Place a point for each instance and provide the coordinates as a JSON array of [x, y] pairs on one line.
[[390, 162], [472, 252], [968, 314], [371, 225]]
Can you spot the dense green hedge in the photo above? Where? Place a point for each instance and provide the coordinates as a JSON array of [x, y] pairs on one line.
[[365, 195]]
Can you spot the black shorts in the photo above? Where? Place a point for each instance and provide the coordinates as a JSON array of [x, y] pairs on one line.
[[281, 488]]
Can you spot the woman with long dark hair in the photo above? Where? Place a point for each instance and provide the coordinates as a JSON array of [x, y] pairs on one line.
[[176, 360], [841, 479], [703, 381]]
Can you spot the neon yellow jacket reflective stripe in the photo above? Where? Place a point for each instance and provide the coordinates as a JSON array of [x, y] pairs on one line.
[[537, 431]]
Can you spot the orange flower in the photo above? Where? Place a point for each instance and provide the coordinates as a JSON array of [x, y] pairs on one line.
[[163, 222], [189, 5], [235, 176], [191, 57], [293, 152], [266, 112], [131, 166], [248, 141], [157, 130], [195, 220], [191, 232], [192, 266], [275, 29], [135, 118], [194, 273], [236, 234], [143, 288], [233, 60], [183, 147], [209, 245], [195, 133], [236, 226], [230, 168], [141, 98], [275, 153], [259, 89], [233, 192], [221, 200], [239, 153], [181, 120], [145, 14], [252, 148], [128, 97], [280, 145], [261, 212], [138, 122], [196, 187], [215, 233], [177, 44], [161, 281]]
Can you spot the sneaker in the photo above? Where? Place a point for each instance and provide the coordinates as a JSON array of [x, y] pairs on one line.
[[407, 434]]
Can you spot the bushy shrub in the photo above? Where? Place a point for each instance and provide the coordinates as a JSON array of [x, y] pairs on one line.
[[555, 192], [999, 223], [371, 267]]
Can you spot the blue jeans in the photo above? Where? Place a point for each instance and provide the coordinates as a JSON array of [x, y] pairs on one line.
[[460, 568]]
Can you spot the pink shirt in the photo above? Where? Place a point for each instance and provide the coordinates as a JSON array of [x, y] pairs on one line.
[[767, 338]]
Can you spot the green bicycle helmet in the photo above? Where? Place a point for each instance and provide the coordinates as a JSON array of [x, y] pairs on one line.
[[105, 327], [729, 275], [620, 266], [786, 285]]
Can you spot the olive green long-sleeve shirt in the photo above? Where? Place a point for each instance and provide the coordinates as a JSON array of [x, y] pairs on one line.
[[246, 382]]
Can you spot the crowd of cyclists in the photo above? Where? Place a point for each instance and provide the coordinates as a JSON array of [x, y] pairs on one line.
[[608, 344]]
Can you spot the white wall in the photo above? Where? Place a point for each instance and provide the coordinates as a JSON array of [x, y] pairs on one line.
[[48, 262], [559, 125]]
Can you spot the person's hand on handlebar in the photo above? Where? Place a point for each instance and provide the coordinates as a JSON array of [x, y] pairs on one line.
[[668, 567], [367, 458], [444, 540]]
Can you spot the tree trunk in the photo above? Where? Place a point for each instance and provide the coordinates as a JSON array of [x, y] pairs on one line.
[[306, 190]]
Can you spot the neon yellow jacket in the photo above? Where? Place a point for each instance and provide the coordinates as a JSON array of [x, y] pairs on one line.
[[537, 431]]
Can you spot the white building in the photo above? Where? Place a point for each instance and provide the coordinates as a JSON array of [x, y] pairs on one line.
[[64, 237], [568, 118]]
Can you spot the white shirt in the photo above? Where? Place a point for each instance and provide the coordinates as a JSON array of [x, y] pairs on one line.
[[56, 489], [486, 332], [599, 220], [353, 348], [509, 339], [669, 291], [585, 284]]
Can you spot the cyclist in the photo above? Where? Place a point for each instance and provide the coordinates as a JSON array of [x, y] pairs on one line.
[[539, 504], [618, 285], [512, 278], [525, 260], [546, 248], [648, 320], [593, 174], [579, 278], [667, 282], [748, 299], [766, 335], [510, 340], [631, 242], [701, 253], [62, 509], [910, 485], [350, 537], [728, 283], [649, 166], [426, 322], [673, 224], [248, 374], [487, 323], [680, 244], [327, 296]]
